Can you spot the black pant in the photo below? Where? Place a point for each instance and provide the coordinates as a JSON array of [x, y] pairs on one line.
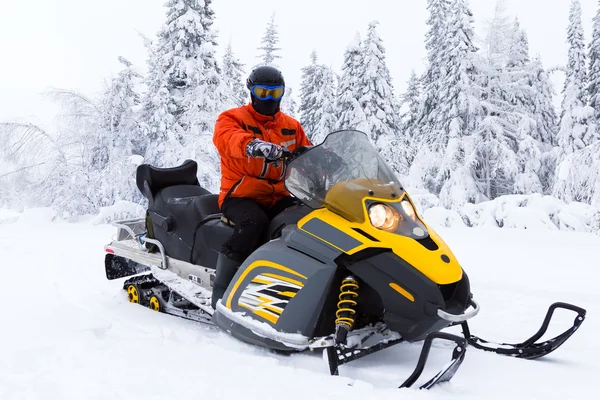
[[251, 221]]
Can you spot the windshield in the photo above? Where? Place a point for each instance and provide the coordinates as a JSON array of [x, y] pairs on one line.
[[340, 173]]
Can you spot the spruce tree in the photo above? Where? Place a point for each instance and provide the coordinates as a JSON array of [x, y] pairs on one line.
[[309, 101], [120, 106], [411, 101], [576, 127], [317, 100], [288, 103], [350, 114], [375, 89], [458, 115], [436, 43], [594, 68], [186, 91], [325, 114], [233, 78], [270, 41]]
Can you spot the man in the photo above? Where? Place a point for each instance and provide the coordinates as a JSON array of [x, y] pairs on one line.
[[250, 140]]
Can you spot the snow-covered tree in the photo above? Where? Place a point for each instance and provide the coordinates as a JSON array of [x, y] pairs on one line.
[[270, 41], [186, 90], [518, 49], [317, 100], [579, 176], [375, 89], [120, 104], [309, 101], [411, 102], [576, 125], [594, 68], [459, 113], [288, 102], [326, 113], [436, 43], [350, 114], [233, 72]]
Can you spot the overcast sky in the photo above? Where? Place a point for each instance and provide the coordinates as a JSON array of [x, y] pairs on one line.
[[74, 44]]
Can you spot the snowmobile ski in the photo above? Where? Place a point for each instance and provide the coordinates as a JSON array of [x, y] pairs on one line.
[[529, 349], [338, 354]]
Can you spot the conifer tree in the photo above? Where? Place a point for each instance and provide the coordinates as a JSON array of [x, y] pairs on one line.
[[594, 68], [576, 126], [350, 114], [270, 41], [309, 101], [411, 101], [317, 104], [233, 78], [436, 43], [375, 89], [459, 114]]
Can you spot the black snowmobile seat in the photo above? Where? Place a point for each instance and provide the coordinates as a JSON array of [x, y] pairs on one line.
[[208, 205], [150, 180]]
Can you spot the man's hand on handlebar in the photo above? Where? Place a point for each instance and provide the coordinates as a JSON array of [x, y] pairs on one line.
[[260, 149]]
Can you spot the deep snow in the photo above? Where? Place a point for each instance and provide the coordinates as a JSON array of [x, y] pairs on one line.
[[68, 333]]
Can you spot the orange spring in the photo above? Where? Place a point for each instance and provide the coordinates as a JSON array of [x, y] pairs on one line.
[[345, 312]]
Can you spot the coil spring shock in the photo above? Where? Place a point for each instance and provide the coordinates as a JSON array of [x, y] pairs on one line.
[[345, 313]]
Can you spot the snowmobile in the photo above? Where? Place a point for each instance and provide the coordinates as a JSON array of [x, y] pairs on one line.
[[349, 270]]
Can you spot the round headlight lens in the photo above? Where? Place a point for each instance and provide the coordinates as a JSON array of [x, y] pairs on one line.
[[384, 217], [409, 210]]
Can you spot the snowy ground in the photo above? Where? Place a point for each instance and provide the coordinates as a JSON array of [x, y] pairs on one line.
[[68, 333]]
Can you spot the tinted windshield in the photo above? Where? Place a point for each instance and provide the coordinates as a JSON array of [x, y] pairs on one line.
[[340, 173]]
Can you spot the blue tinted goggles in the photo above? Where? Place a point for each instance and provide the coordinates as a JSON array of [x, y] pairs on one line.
[[263, 92]]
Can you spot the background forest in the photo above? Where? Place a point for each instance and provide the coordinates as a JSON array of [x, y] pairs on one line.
[[478, 131]]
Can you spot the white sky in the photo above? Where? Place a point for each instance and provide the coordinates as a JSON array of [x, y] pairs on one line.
[[74, 44]]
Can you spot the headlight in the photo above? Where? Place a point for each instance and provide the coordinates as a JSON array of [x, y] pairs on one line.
[[409, 209], [384, 217]]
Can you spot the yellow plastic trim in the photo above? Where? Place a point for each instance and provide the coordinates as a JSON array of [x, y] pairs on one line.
[[283, 278], [402, 291], [428, 262], [254, 265]]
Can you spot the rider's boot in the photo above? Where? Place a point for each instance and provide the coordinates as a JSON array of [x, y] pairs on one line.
[[226, 269]]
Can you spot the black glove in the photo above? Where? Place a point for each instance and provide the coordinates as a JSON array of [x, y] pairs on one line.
[[259, 148]]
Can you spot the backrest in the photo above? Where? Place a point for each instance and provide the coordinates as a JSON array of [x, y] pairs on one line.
[[150, 180]]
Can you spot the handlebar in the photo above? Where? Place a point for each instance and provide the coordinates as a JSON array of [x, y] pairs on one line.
[[288, 155]]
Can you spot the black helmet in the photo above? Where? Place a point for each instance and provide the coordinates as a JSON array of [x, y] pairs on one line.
[[265, 75]]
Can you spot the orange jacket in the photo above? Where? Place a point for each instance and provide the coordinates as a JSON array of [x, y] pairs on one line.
[[243, 176]]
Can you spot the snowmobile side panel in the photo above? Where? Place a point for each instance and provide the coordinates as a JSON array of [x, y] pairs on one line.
[[412, 311], [281, 287]]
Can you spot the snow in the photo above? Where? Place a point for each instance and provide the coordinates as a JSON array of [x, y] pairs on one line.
[[68, 333], [518, 211]]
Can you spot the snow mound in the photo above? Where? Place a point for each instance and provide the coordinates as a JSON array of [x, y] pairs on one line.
[[29, 216], [521, 212], [8, 216], [118, 211]]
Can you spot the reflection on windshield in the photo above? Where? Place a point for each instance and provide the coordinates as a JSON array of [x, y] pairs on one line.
[[348, 161]]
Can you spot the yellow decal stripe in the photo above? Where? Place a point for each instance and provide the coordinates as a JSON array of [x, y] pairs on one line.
[[262, 313], [258, 264], [402, 291], [266, 304], [288, 294], [263, 281], [283, 278]]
